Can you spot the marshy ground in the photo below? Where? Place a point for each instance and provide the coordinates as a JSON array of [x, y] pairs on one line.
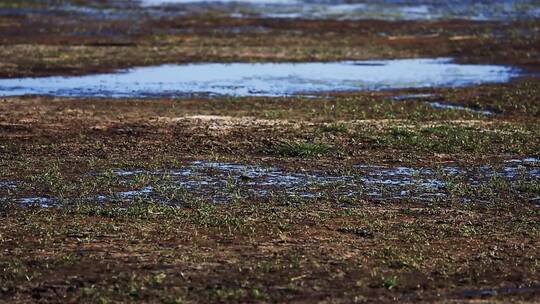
[[364, 196]]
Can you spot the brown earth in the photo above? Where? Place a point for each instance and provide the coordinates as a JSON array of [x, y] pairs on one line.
[[475, 245]]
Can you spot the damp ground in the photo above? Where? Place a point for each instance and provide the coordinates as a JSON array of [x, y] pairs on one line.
[[222, 182], [73, 44], [278, 194], [416, 194]]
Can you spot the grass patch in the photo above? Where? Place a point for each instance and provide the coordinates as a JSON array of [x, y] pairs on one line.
[[389, 282], [304, 149], [334, 128], [448, 138]]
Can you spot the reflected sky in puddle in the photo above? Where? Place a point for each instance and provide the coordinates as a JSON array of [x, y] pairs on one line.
[[43, 202], [164, 2], [482, 10], [412, 96], [526, 160], [7, 185], [438, 104], [367, 9], [222, 182], [493, 292], [528, 167], [263, 79]]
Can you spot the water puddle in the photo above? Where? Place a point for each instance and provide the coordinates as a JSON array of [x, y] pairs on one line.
[[7, 185], [482, 293], [526, 160], [438, 104], [61, 9], [412, 96], [495, 10], [223, 182], [528, 167], [264, 2], [367, 9], [263, 79], [43, 202]]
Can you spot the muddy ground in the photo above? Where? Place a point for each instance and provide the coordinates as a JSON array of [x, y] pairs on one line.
[[70, 233]]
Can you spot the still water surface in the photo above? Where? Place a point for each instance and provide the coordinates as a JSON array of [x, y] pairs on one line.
[[263, 79], [360, 9]]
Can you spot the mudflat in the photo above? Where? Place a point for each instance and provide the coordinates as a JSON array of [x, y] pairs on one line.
[[361, 194]]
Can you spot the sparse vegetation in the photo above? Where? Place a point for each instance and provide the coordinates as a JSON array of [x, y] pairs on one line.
[[390, 282], [303, 149], [346, 197], [334, 128]]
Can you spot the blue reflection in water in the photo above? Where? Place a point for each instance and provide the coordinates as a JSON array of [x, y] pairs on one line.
[[361, 9], [263, 79]]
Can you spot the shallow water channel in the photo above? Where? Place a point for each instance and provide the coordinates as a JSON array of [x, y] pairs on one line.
[[263, 79]]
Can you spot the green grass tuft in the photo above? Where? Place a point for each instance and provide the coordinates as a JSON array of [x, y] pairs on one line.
[[304, 149]]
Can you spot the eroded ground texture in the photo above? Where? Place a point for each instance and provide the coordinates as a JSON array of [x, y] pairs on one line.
[[429, 194]]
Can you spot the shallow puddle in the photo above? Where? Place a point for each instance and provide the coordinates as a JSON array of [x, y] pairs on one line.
[[264, 79], [367, 9], [165, 2], [223, 182], [526, 160], [441, 105], [7, 185], [493, 292], [438, 104], [412, 96], [43, 202], [496, 10]]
